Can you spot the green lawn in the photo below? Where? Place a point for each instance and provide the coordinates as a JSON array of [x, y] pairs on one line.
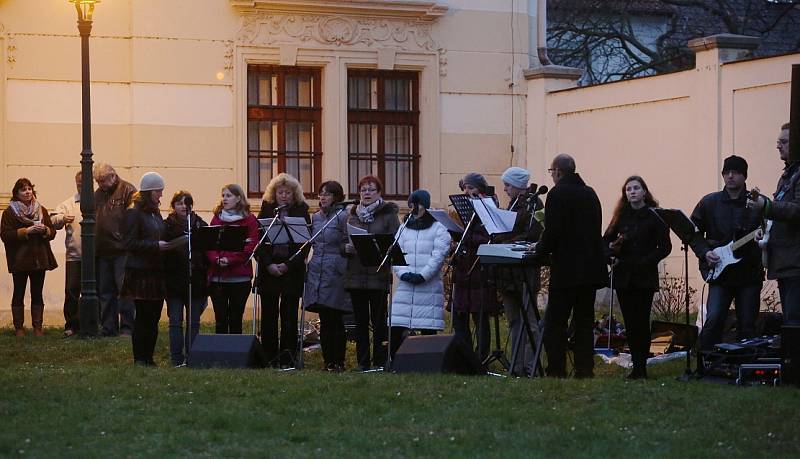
[[76, 398]]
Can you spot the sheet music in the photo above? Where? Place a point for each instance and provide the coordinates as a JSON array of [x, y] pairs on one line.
[[495, 220], [443, 217], [277, 234], [355, 230], [298, 229]]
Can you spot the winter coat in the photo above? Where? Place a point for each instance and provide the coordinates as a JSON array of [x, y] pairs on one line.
[[473, 284], [421, 306], [143, 230], [646, 242], [328, 266], [720, 220], [110, 209], [290, 283], [26, 252], [572, 235], [176, 261], [239, 264], [72, 239], [783, 247], [358, 276]]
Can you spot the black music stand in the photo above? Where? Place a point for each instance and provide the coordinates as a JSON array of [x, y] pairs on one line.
[[685, 229], [371, 250], [229, 238]]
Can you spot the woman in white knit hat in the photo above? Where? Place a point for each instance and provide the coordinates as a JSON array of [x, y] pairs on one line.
[[144, 266]]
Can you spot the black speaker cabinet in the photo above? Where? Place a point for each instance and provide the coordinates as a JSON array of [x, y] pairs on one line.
[[436, 354], [226, 351], [790, 353]]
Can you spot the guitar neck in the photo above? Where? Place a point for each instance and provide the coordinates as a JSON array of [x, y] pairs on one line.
[[749, 237]]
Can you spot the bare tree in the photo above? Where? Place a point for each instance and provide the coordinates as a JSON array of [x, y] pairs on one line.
[[622, 39]]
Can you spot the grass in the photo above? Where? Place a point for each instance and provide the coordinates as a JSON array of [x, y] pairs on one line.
[[78, 398]]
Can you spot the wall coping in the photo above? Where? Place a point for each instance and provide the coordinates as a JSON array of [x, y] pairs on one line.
[[558, 72], [724, 41], [420, 10]]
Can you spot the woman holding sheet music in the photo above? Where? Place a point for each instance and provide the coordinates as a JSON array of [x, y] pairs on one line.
[[230, 273], [281, 280], [368, 288], [324, 291]]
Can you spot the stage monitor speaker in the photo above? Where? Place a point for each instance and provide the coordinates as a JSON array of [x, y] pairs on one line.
[[684, 336], [790, 354], [436, 354], [226, 351]]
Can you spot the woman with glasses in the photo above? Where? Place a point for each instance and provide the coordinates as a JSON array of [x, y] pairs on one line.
[[281, 280], [324, 292], [368, 289]]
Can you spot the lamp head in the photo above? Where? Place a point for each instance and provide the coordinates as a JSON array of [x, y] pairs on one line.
[[85, 8]]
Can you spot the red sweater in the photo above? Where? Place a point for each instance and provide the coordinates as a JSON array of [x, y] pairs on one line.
[[238, 263]]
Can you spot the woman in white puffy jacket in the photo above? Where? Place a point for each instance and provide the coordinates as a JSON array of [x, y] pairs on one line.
[[418, 302]]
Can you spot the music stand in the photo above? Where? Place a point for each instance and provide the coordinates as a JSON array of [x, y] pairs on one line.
[[685, 229], [373, 250]]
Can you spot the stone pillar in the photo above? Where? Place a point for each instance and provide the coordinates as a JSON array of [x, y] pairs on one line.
[[711, 53], [541, 81]]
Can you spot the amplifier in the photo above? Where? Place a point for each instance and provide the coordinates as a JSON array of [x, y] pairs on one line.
[[766, 374]]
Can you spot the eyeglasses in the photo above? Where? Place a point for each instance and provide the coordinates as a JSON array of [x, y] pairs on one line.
[[783, 141], [325, 195], [551, 170], [369, 190]]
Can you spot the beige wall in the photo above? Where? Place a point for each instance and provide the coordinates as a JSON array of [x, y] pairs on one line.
[[674, 130], [168, 90]]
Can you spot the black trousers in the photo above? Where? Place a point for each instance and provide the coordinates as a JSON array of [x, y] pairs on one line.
[[333, 337], [399, 334], [369, 307], [578, 302], [229, 300], [274, 305], [145, 329], [635, 306], [21, 284], [462, 330], [72, 296]]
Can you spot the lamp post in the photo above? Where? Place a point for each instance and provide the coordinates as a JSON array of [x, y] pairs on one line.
[[89, 306]]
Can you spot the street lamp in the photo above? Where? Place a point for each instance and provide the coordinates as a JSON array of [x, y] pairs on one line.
[[89, 307]]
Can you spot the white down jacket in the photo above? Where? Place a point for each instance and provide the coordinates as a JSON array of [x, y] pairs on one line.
[[421, 306]]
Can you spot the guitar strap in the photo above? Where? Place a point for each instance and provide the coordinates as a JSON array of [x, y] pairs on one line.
[[788, 184]]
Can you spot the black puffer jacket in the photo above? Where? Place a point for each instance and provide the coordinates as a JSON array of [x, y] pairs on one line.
[[646, 242], [176, 262], [143, 230], [572, 235], [720, 220]]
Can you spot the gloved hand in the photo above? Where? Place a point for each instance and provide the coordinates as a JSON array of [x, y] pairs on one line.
[[412, 278]]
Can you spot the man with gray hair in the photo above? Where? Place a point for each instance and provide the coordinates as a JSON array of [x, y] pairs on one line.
[[68, 216], [572, 239], [112, 197]]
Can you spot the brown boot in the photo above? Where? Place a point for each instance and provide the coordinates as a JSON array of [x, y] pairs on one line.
[[18, 316], [37, 317]]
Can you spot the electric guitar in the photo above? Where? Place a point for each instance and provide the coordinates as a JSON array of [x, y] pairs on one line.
[[725, 252]]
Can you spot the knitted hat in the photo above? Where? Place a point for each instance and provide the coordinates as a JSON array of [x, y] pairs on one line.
[[516, 177], [475, 180], [735, 163], [421, 197], [151, 181]]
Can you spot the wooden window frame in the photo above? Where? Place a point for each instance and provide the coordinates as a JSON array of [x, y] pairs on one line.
[[279, 113], [382, 117]]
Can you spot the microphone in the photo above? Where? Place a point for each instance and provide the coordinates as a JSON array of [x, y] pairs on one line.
[[542, 190], [347, 203], [280, 208]]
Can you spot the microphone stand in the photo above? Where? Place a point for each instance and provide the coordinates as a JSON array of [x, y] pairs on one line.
[[300, 363], [256, 304], [452, 266], [409, 217], [189, 312]]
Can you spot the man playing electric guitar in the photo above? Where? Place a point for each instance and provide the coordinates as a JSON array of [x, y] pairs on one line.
[[722, 217]]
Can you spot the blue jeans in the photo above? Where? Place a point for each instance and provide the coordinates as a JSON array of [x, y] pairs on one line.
[[116, 314], [178, 339], [789, 290], [747, 298]]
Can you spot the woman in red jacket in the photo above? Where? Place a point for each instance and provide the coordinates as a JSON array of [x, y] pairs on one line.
[[230, 273]]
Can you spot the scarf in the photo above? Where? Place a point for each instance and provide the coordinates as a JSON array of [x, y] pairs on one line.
[[366, 214], [229, 216], [28, 214]]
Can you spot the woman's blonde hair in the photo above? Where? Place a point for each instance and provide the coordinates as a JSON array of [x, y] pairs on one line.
[[243, 207], [284, 179]]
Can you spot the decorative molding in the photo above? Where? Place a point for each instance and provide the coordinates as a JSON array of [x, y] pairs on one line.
[[419, 10]]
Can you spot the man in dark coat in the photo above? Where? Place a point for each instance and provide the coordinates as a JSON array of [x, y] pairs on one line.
[[722, 217], [783, 240], [112, 198], [572, 239]]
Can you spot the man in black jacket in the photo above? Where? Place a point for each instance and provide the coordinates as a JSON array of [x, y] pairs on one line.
[[722, 217], [572, 238]]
